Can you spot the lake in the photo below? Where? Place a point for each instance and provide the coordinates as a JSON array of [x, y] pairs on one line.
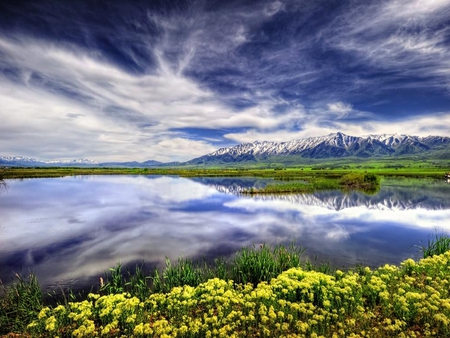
[[71, 230]]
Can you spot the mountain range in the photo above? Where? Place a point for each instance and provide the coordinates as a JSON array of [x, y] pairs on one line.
[[32, 162], [336, 145]]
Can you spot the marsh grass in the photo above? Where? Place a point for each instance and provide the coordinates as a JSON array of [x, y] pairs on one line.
[[255, 277], [3, 186], [409, 300], [186, 272], [365, 182], [249, 265], [436, 245], [309, 186], [257, 264], [20, 302]]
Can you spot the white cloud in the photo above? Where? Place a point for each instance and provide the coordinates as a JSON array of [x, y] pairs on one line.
[[407, 37], [273, 8], [340, 107], [436, 124], [184, 147], [118, 115], [66, 102]]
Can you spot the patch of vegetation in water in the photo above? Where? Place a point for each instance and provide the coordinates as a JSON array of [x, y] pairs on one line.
[[366, 182]]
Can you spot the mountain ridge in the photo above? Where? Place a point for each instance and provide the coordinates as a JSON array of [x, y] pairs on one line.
[[32, 162], [334, 145]]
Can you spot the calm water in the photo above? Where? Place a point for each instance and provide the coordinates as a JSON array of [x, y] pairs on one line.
[[70, 230]]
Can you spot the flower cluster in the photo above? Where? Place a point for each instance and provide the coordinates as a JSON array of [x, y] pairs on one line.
[[411, 300]]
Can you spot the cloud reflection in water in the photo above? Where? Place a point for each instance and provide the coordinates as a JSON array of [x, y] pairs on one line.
[[72, 228]]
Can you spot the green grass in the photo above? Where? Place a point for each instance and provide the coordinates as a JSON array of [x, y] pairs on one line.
[[248, 265], [379, 292], [366, 182], [298, 172], [436, 245], [409, 300], [2, 179], [19, 303]]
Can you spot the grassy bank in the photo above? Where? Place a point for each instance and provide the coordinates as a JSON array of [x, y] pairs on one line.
[[286, 174], [409, 300]]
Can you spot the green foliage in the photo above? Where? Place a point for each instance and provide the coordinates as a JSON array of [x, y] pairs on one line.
[[262, 275], [114, 281], [436, 245], [2, 179], [366, 182], [137, 283], [360, 181], [249, 265], [183, 273], [254, 265], [20, 303], [298, 171], [409, 300]]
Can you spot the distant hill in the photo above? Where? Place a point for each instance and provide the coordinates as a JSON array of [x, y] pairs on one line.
[[336, 145], [20, 161]]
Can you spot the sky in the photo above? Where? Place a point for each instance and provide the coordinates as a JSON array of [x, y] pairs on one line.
[[173, 80]]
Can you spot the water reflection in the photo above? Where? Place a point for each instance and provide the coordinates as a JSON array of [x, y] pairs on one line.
[[396, 193], [3, 185], [70, 230]]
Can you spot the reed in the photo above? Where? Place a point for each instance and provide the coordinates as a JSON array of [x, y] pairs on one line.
[[20, 303], [254, 265], [3, 185], [261, 268], [436, 245], [409, 300], [249, 265]]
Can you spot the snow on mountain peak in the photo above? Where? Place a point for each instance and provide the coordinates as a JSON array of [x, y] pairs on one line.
[[333, 145]]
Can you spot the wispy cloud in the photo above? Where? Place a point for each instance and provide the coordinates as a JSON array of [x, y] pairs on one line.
[[114, 110], [146, 82], [405, 38]]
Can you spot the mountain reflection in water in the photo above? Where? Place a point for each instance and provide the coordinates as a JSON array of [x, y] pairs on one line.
[[70, 230], [419, 193]]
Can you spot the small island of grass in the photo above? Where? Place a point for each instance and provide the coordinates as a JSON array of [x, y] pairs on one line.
[[366, 182]]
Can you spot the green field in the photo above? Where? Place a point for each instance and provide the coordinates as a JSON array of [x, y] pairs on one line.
[[291, 173]]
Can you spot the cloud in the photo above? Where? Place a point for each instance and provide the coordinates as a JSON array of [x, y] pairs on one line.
[[185, 148], [340, 107], [435, 124], [406, 38], [122, 88], [94, 226], [107, 111]]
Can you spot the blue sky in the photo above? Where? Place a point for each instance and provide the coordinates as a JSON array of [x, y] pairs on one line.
[[173, 80]]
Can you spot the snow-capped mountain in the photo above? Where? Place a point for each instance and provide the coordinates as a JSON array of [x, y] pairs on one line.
[[329, 146], [20, 161], [28, 161], [335, 145]]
